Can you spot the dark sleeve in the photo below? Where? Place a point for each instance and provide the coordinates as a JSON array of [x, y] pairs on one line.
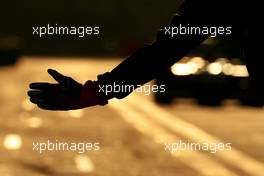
[[150, 60]]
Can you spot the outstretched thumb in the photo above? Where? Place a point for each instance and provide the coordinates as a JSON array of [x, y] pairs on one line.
[[56, 75]]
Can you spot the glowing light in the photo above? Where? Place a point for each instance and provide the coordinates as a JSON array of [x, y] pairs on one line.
[[198, 61], [184, 69], [240, 71], [193, 68], [84, 164], [228, 69], [76, 113], [214, 68], [12, 142], [235, 70]]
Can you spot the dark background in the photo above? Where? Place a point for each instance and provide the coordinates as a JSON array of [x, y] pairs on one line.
[[124, 25]]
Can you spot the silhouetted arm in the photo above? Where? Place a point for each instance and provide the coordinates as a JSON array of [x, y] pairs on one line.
[[150, 60]]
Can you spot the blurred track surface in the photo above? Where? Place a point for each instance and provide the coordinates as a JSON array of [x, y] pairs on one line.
[[131, 132]]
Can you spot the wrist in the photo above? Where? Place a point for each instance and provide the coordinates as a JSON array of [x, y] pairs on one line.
[[91, 95]]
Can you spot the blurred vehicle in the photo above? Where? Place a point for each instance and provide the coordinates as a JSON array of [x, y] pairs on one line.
[[9, 50], [212, 72]]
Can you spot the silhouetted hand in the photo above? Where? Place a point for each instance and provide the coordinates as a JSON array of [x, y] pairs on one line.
[[67, 94]]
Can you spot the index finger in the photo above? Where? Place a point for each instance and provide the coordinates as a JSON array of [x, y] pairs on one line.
[[40, 85]]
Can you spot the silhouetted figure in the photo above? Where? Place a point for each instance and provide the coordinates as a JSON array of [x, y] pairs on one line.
[[150, 60]]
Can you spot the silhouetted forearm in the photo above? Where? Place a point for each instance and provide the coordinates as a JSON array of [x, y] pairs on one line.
[[150, 60]]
